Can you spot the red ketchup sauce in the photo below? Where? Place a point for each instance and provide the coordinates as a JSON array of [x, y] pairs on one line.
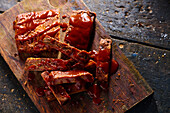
[[114, 66]]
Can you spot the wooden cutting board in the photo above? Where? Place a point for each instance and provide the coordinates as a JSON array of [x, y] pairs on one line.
[[126, 87]]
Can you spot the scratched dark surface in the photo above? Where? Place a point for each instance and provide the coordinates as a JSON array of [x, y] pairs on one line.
[[144, 29]]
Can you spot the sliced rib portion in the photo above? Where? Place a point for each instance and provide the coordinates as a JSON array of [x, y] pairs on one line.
[[70, 51], [54, 64], [80, 29], [103, 60], [28, 21], [58, 90], [71, 89], [31, 28], [59, 77], [47, 64]]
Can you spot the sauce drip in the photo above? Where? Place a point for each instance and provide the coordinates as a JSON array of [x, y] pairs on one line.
[[64, 26], [104, 85], [114, 66], [40, 91], [103, 55], [104, 66], [93, 55], [64, 16], [31, 76], [94, 93], [15, 55]]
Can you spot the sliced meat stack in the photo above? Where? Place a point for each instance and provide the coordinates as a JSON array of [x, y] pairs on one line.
[[37, 34], [64, 83]]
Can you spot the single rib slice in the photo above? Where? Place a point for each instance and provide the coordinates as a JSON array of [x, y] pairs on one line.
[[47, 64], [60, 77], [54, 64], [103, 60], [70, 51]]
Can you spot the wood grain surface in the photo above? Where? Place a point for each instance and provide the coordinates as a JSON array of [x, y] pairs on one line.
[[120, 96]]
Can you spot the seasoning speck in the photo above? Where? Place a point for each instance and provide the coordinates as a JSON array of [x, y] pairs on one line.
[[121, 45], [12, 90], [25, 83], [131, 85]]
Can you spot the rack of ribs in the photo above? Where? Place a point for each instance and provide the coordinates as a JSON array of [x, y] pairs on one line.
[[31, 28]]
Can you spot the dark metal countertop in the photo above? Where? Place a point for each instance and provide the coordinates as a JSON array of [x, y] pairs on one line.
[[141, 28]]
